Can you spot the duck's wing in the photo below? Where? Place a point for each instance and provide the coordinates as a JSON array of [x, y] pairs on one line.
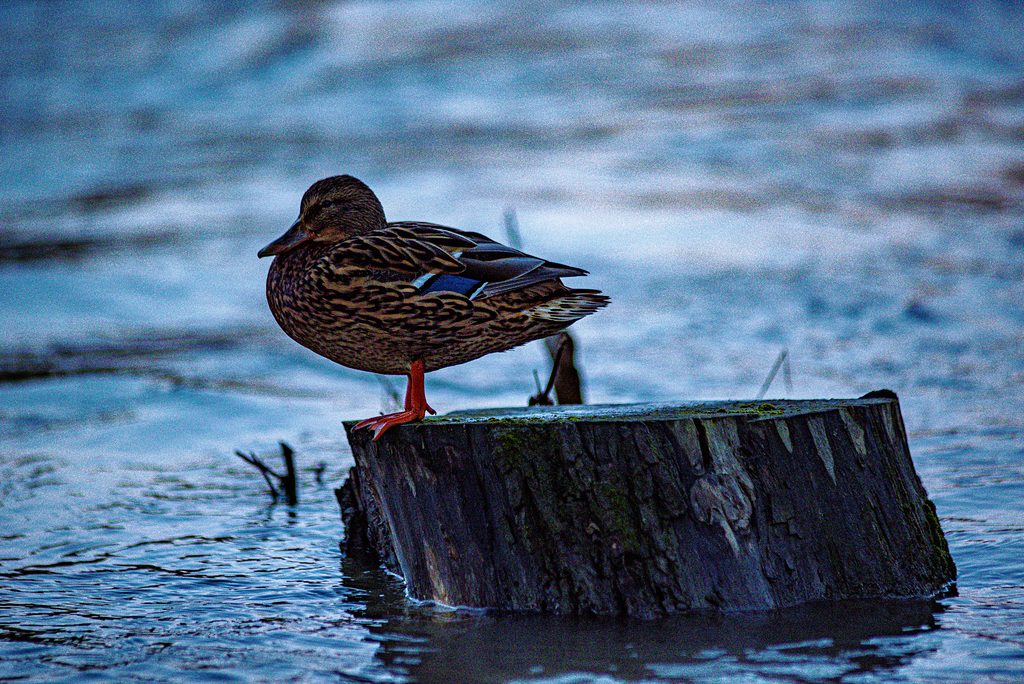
[[411, 248], [482, 267]]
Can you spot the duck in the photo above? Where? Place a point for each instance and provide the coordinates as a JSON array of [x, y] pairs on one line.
[[408, 297]]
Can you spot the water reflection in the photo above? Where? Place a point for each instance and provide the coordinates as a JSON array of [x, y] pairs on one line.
[[810, 643]]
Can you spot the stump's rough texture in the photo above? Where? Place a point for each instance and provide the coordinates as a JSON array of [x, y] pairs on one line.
[[652, 509]]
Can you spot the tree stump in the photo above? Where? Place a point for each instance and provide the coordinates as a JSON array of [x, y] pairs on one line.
[[650, 509]]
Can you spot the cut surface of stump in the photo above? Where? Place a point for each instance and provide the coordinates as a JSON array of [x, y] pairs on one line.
[[650, 509]]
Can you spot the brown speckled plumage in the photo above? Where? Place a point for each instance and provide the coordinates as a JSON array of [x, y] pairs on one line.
[[378, 296]]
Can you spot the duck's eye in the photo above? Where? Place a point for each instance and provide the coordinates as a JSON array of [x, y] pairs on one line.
[[326, 203]]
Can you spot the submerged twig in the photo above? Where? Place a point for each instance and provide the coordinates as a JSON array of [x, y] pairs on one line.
[[568, 381], [565, 377], [287, 482], [541, 398], [515, 238], [319, 472], [564, 348], [389, 389], [786, 375]]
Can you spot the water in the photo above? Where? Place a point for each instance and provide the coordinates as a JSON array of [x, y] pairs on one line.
[[843, 181]]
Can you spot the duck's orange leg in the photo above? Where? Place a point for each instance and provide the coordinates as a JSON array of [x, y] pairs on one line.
[[415, 405]]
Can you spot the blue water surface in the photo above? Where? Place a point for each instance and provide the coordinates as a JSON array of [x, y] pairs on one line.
[[839, 180]]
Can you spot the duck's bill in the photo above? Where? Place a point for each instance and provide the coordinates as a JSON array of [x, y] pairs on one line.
[[296, 235]]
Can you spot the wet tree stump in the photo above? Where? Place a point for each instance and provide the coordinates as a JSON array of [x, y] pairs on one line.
[[650, 509]]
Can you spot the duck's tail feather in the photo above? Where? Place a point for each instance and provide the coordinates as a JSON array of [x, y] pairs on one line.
[[572, 306]]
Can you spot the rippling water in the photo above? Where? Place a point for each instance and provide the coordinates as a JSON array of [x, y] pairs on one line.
[[840, 180]]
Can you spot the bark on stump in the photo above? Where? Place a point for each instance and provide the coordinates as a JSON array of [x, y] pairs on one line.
[[650, 509]]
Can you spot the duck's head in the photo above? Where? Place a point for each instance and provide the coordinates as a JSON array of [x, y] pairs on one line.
[[332, 209]]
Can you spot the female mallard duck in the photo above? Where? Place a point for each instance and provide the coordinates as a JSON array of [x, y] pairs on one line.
[[407, 298]]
